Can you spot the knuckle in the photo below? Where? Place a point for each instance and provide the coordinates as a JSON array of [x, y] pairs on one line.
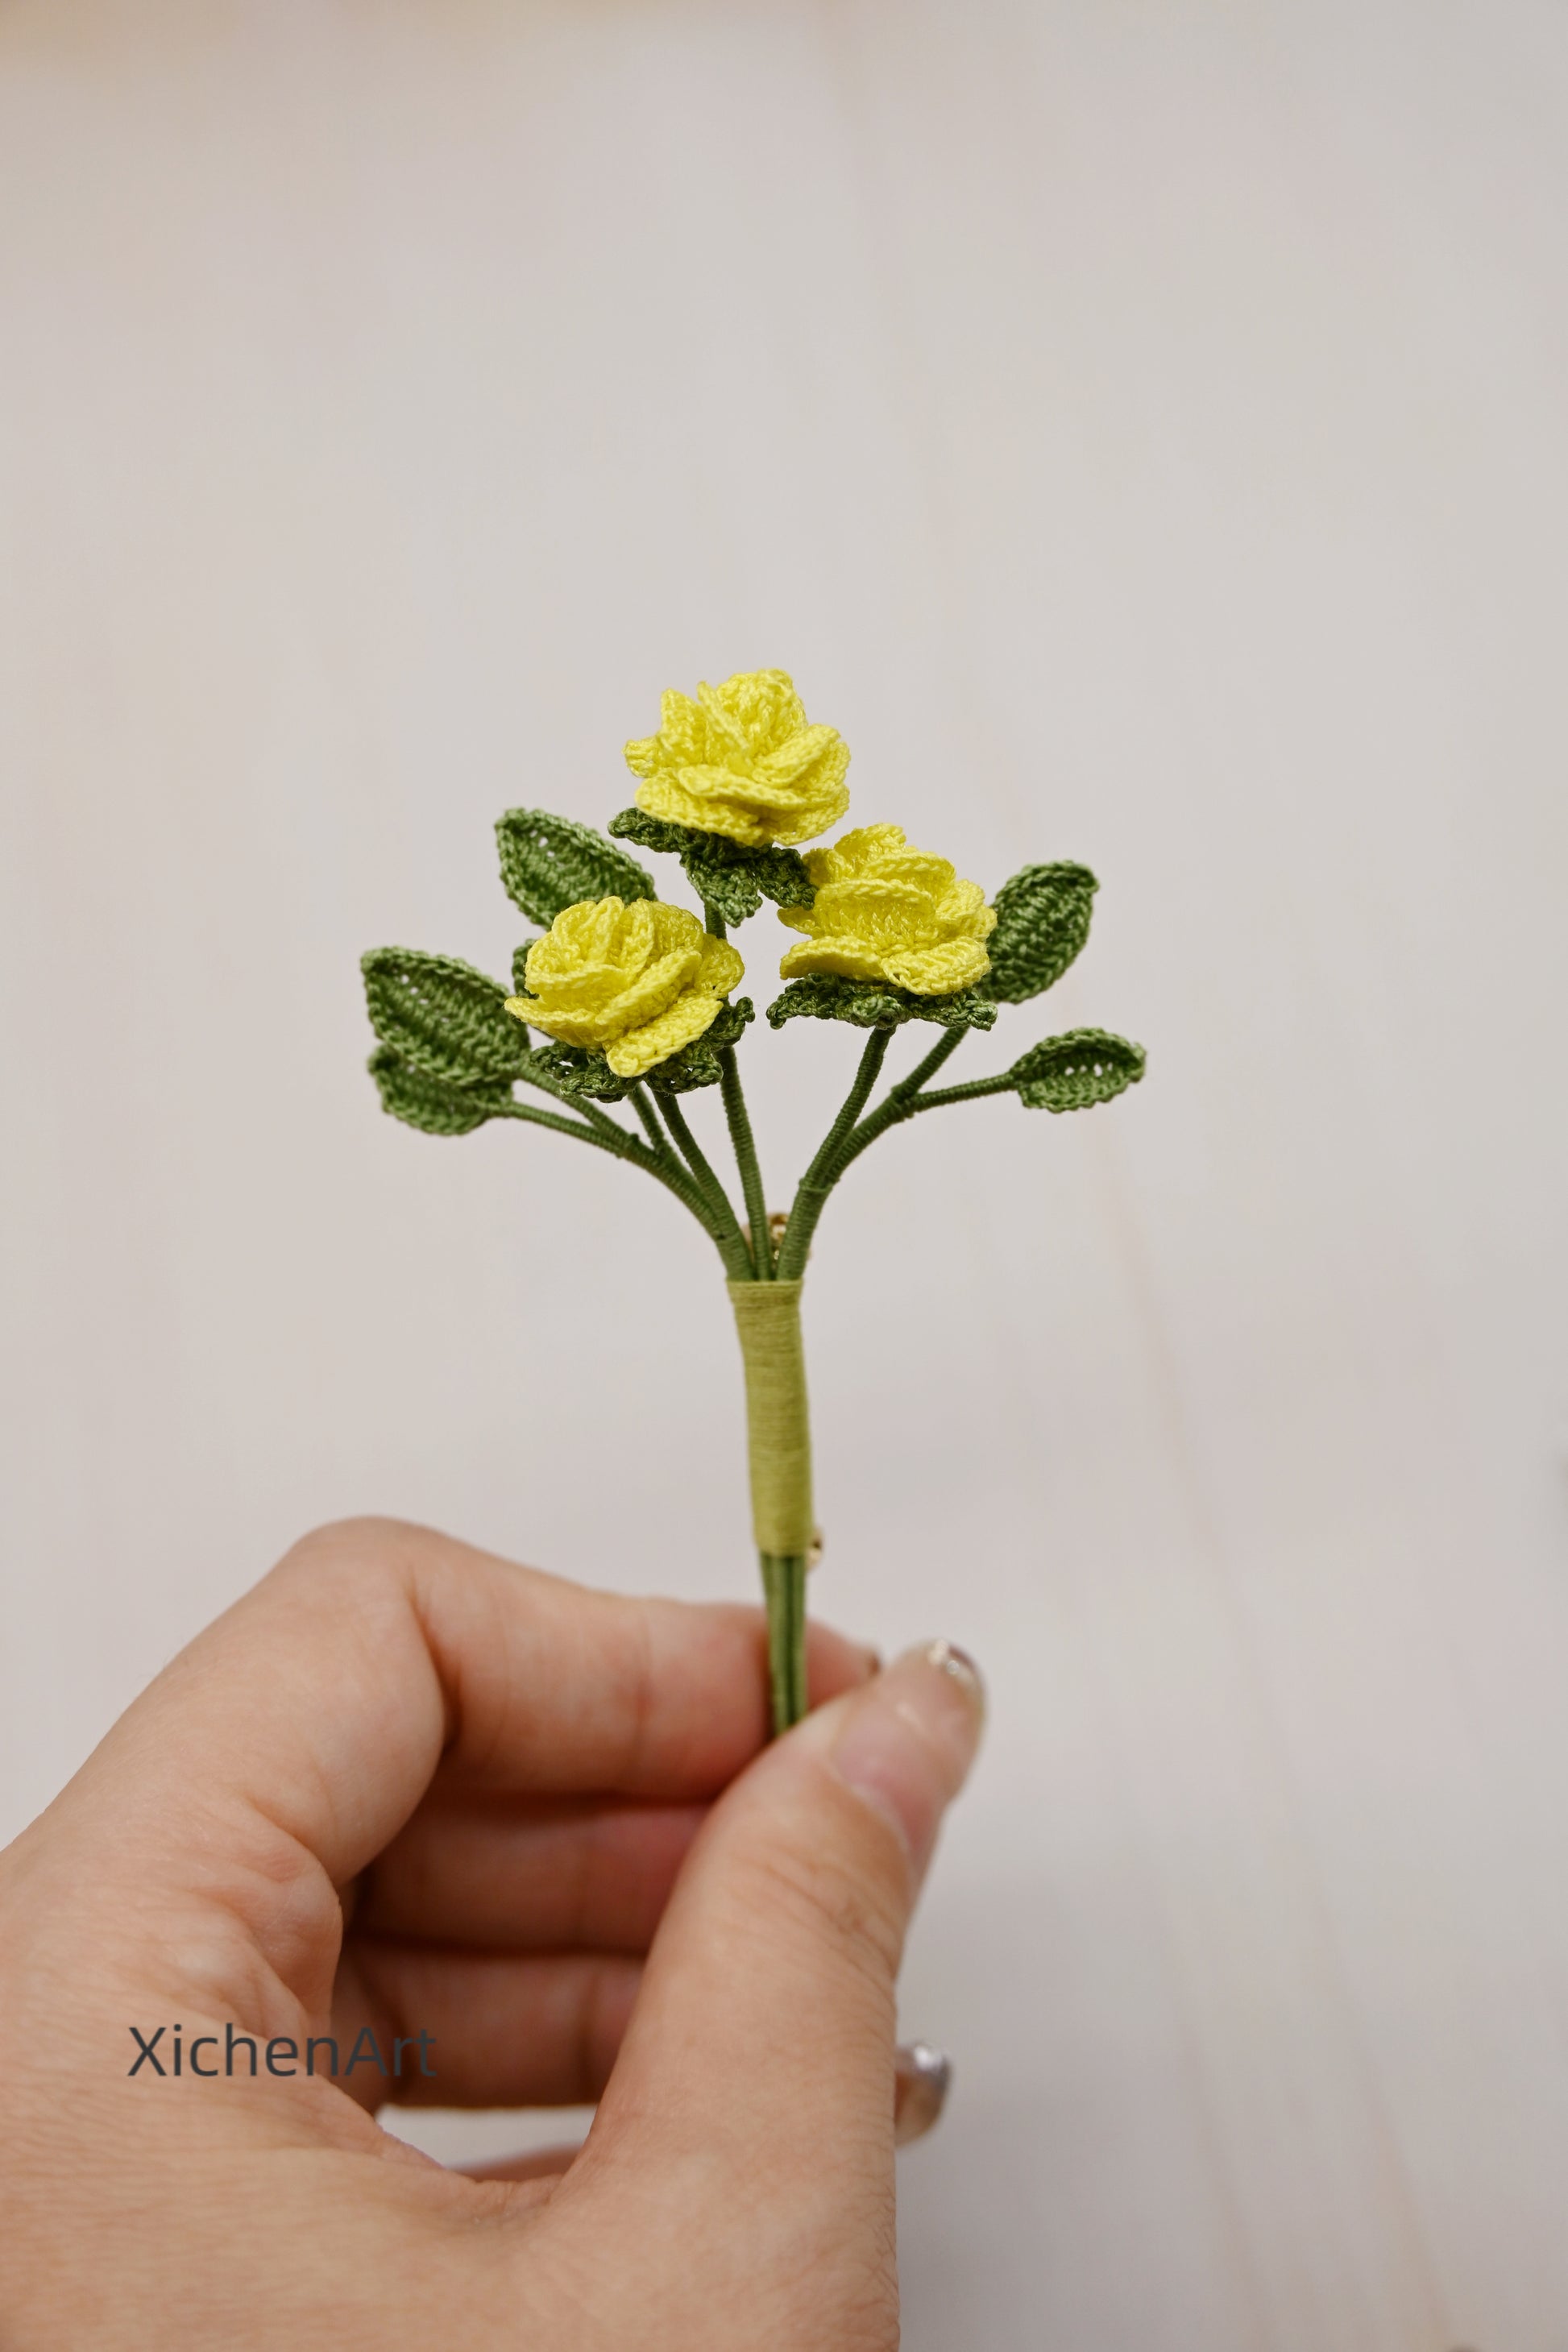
[[352, 1546]]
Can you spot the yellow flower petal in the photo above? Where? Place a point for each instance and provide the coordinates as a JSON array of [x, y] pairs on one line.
[[742, 760], [659, 983], [964, 909], [605, 973], [886, 911], [846, 957], [721, 968], [938, 970], [568, 1028], [642, 1049], [762, 703]]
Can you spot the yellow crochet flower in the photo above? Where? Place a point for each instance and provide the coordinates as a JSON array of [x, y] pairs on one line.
[[885, 911], [637, 982], [741, 760]]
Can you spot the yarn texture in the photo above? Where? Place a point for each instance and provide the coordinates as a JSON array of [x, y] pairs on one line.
[[632, 1002], [1076, 1071], [726, 876], [742, 759], [1042, 922], [886, 911], [640, 981], [778, 1427], [549, 862]]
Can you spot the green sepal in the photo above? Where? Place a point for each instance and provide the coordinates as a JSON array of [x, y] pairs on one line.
[[580, 1070], [574, 1070], [877, 1005], [431, 1104], [441, 1018], [697, 1065], [1042, 922], [726, 876], [549, 862], [1074, 1072]]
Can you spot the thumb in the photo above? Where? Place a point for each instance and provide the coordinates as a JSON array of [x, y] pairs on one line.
[[761, 2049]]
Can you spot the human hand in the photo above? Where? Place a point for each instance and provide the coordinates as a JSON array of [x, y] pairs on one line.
[[407, 1786]]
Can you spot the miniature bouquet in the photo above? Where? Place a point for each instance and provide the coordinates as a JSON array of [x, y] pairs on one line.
[[624, 1002]]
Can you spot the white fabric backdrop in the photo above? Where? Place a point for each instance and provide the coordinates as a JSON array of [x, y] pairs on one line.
[[1141, 431]]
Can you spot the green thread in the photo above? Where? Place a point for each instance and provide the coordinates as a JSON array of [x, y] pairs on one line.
[[1042, 921], [878, 1004], [784, 1589], [549, 862], [441, 1018], [746, 1160], [726, 876], [731, 1240], [928, 1068], [583, 1071], [637, 1098], [431, 1104], [1074, 1072], [812, 1191], [449, 1053]]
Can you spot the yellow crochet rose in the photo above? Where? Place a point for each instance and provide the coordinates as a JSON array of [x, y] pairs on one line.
[[885, 911], [741, 760], [637, 983]]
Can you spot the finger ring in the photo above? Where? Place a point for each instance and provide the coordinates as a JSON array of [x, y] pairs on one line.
[[921, 2077]]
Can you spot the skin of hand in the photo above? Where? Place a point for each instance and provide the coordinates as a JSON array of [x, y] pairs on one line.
[[405, 1784]]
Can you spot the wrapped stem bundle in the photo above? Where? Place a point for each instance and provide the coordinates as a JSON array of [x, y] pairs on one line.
[[633, 1006]]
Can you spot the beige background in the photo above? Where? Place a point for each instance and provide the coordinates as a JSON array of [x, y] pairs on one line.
[[1141, 429]]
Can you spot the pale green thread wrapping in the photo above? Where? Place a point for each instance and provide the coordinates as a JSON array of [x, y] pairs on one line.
[[767, 1318]]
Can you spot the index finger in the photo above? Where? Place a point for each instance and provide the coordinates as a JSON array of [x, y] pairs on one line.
[[377, 1653]]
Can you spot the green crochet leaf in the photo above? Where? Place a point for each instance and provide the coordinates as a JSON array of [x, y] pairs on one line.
[[1074, 1072], [572, 1070], [441, 1018], [876, 1005], [548, 863], [1042, 922], [430, 1104], [519, 967], [727, 876], [579, 1071]]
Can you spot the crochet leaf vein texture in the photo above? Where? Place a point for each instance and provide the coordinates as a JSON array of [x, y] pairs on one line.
[[430, 1104], [726, 876], [1042, 922], [877, 1005], [441, 1018], [549, 862], [1074, 1072]]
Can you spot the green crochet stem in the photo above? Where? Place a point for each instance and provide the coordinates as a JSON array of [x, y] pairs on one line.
[[811, 1195], [783, 1584], [732, 1246], [766, 1294], [898, 1105], [767, 1316], [778, 1433], [746, 1160]]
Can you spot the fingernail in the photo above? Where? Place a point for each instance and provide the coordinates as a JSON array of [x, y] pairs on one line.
[[952, 1660], [909, 1739]]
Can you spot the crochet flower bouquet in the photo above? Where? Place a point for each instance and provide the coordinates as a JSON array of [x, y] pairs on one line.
[[631, 1005]]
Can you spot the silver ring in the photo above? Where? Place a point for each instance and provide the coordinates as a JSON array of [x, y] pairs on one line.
[[920, 2080]]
